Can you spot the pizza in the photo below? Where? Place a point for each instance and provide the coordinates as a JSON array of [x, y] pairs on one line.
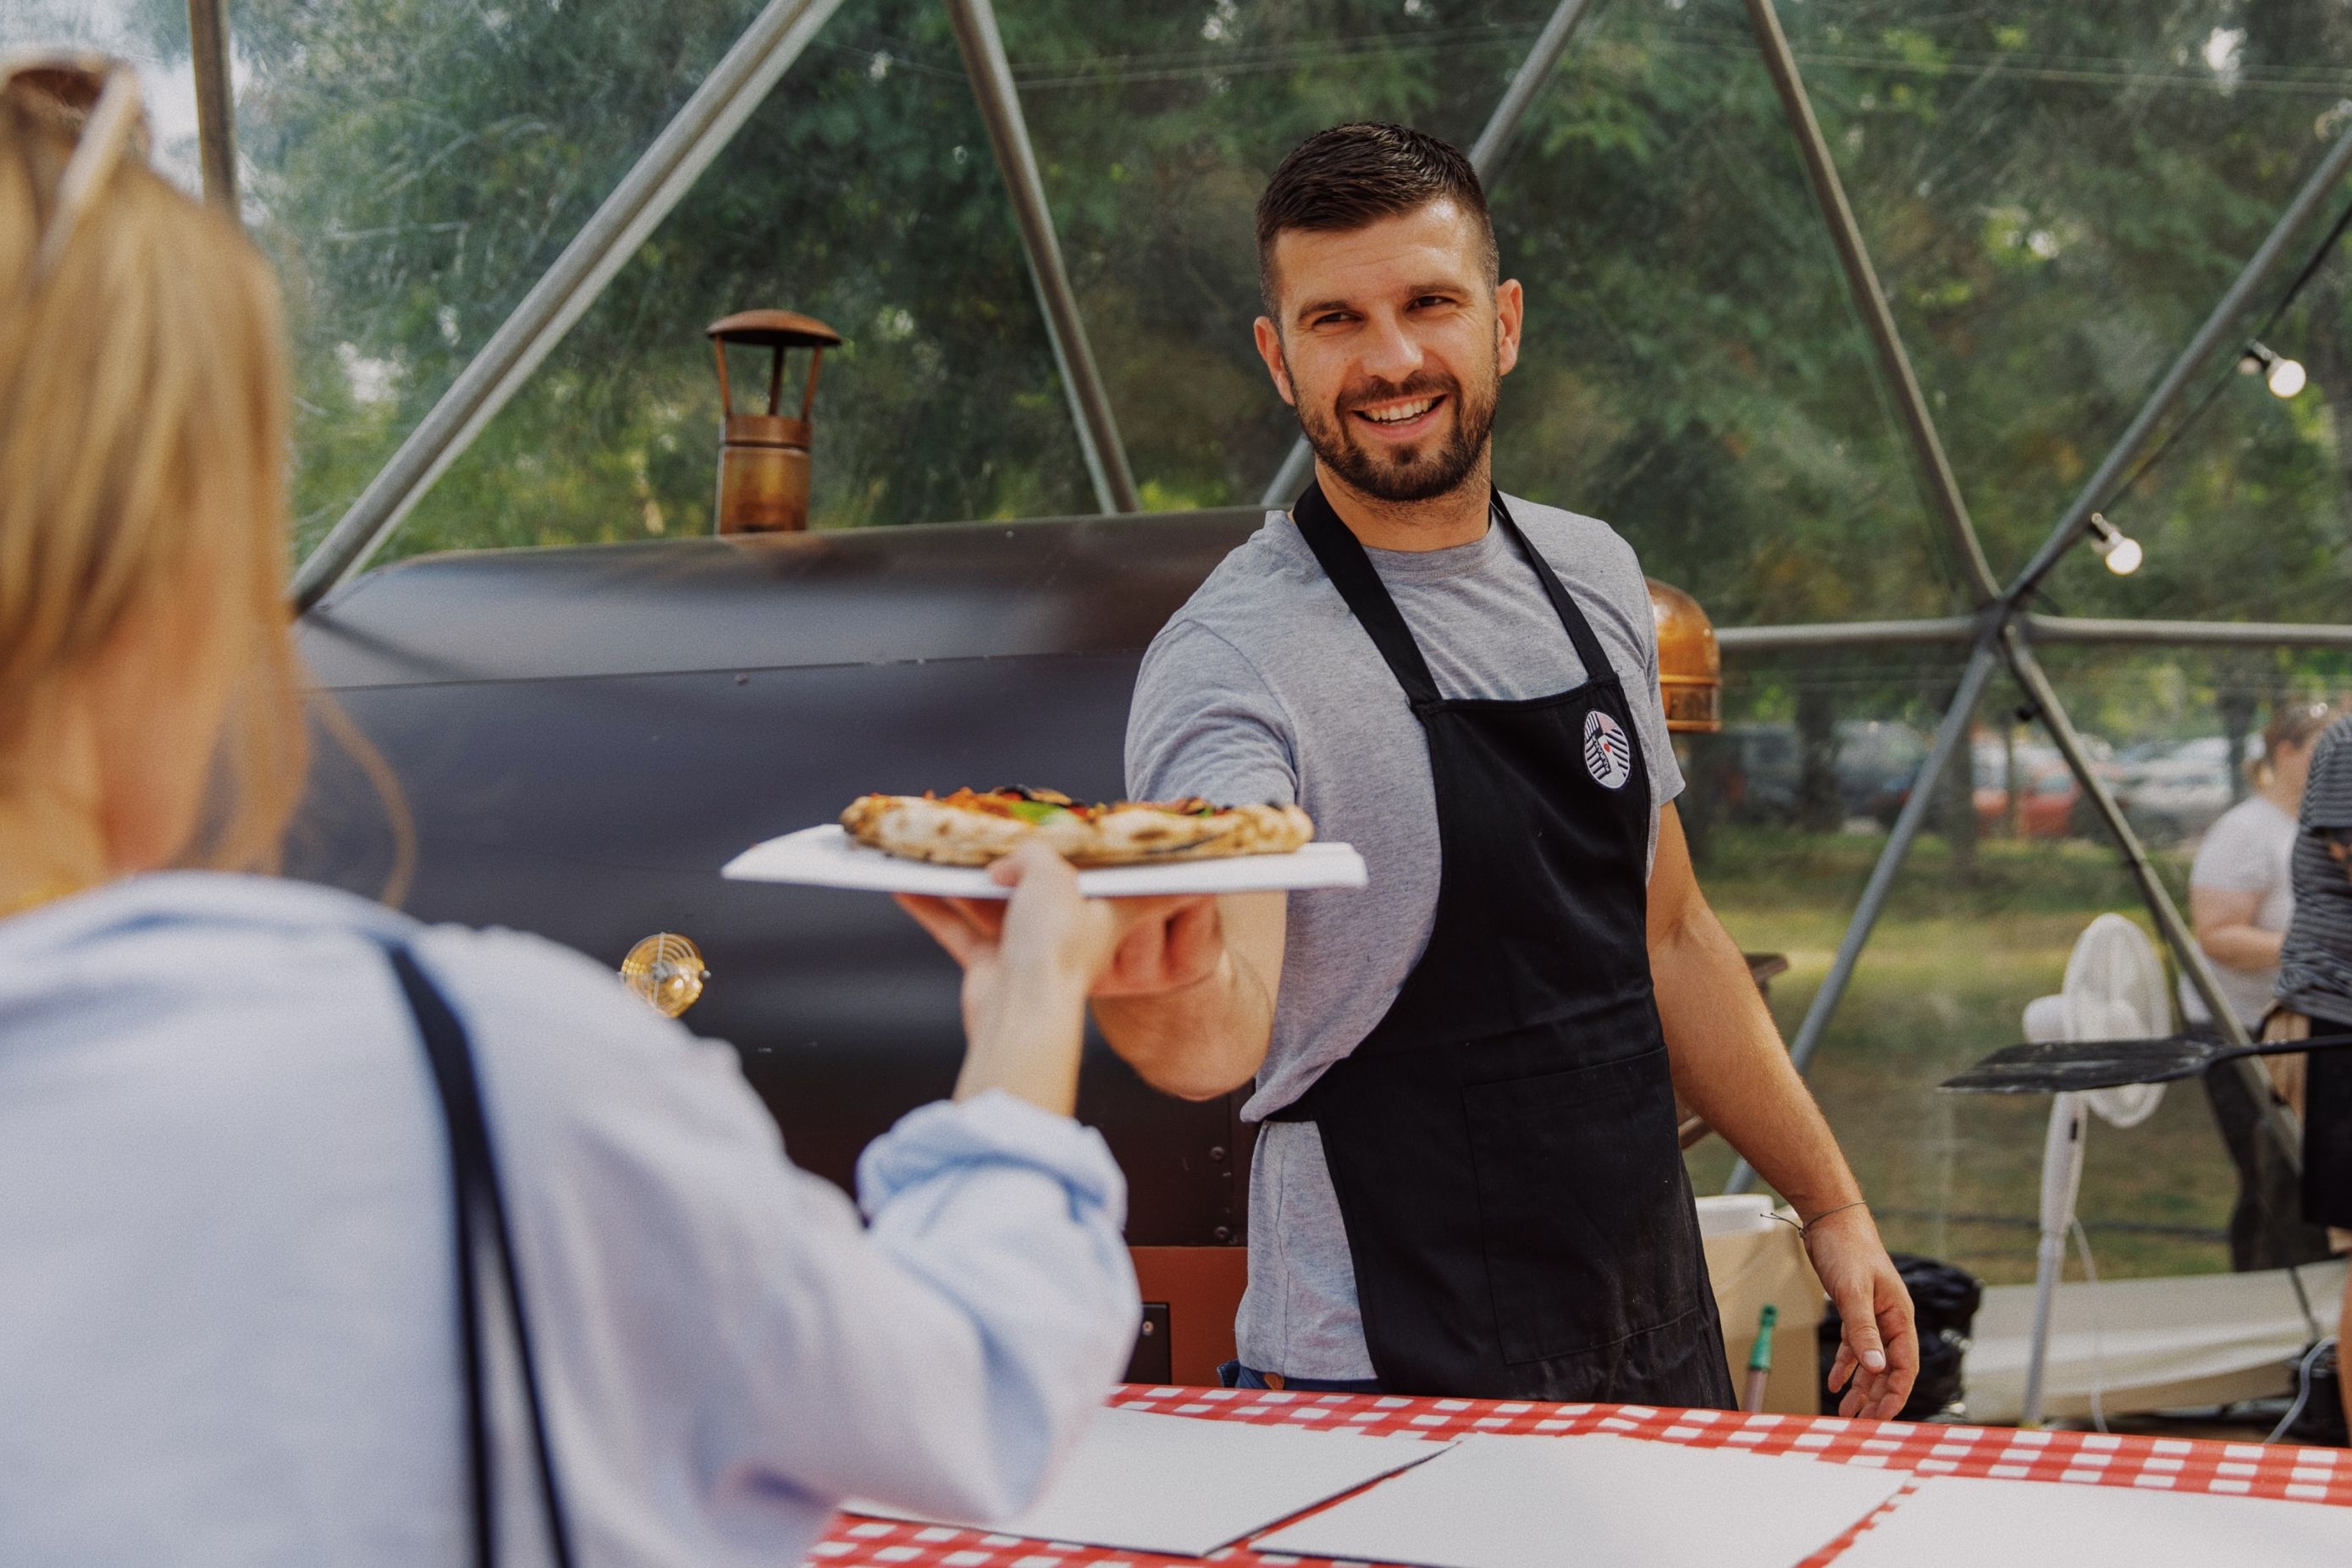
[[973, 827]]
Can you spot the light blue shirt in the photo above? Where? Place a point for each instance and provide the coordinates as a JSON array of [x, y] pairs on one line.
[[227, 1329]]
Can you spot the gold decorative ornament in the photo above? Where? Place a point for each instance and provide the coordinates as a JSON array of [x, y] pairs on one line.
[[666, 969], [1690, 665]]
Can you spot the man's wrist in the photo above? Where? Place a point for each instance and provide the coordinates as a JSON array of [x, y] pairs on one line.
[[1187, 1040], [1845, 1212]]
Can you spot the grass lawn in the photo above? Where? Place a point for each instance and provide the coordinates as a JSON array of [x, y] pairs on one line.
[[1945, 980]]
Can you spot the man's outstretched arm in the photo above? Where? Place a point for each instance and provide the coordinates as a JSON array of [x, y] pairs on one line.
[[1189, 1001], [1730, 1066]]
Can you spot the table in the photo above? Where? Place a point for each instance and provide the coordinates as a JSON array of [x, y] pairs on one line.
[[2063, 1458]]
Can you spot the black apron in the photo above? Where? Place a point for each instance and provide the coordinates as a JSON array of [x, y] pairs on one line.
[[1502, 1143], [480, 1232]]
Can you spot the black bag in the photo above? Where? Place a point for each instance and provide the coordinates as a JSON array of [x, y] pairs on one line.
[[2321, 1425], [1944, 1302]]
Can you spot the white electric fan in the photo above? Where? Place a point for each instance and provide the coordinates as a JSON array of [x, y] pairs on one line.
[[2114, 990]]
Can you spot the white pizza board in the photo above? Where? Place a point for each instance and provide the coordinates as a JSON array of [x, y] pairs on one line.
[[826, 857], [1171, 1484], [1962, 1521], [1595, 1503]]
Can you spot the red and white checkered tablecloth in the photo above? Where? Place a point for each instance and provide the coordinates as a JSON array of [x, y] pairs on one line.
[[2065, 1458]]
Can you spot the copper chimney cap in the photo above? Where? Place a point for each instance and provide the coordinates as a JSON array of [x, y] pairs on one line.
[[763, 457], [774, 330], [1690, 664]]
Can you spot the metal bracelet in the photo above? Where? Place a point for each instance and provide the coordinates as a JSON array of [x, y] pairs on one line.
[[1806, 1228]]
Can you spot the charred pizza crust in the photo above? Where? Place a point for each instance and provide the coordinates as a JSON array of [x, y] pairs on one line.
[[972, 828]]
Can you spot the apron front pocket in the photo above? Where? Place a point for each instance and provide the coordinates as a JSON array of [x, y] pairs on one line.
[[1584, 1210]]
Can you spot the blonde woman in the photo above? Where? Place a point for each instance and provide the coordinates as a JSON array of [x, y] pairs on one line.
[[234, 1326]]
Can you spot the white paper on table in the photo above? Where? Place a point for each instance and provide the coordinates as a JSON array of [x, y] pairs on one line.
[[1596, 1502], [825, 857], [1181, 1487], [1961, 1522]]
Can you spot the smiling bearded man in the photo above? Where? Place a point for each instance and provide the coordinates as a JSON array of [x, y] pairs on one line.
[[1467, 1181], [1394, 460]]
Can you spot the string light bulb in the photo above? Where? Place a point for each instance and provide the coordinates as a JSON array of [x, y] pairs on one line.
[[2119, 550], [2283, 376]]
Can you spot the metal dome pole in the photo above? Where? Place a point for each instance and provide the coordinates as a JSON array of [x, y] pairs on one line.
[[660, 178], [1943, 491], [2226, 318], [991, 74], [1951, 739], [1960, 631], [2004, 626], [1895, 370], [2281, 1122], [208, 52]]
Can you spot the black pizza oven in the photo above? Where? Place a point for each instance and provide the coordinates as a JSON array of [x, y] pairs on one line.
[[584, 735]]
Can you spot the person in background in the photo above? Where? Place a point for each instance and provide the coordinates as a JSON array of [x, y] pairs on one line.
[[2239, 903], [2314, 995], [227, 1265]]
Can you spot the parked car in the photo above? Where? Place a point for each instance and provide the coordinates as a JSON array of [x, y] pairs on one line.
[[2050, 803], [1876, 761], [1763, 772], [2176, 792], [1760, 770]]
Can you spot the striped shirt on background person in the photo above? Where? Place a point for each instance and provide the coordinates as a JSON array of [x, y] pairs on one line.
[[2316, 959], [2315, 980]]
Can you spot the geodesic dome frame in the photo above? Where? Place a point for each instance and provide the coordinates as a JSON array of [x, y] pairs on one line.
[[1993, 620]]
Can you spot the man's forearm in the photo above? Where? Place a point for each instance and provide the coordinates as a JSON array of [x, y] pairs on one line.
[[1197, 1043], [1730, 1068], [1209, 1037]]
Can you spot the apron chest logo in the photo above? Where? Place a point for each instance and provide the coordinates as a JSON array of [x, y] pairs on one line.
[[1608, 756]]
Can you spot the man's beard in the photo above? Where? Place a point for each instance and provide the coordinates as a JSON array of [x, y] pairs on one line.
[[1423, 471]]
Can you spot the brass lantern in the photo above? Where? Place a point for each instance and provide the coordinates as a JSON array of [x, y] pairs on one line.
[[1690, 665], [763, 458]]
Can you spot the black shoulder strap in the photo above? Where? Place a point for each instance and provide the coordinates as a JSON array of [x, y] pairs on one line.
[[1343, 560], [1352, 572], [481, 1217], [1571, 614]]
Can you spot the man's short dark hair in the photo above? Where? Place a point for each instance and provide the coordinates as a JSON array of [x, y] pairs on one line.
[[1352, 176]]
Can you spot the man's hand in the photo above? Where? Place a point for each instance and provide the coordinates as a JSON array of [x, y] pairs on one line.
[[1184, 993], [1878, 1355], [1029, 961], [1188, 1000], [1160, 943], [1170, 944]]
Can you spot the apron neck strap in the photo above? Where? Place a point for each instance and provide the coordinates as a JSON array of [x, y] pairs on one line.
[[1352, 572], [1580, 630], [1346, 563]]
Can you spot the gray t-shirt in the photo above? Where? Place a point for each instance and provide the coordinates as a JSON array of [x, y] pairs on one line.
[[1263, 688]]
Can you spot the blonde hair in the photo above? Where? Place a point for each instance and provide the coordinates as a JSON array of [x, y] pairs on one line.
[[2291, 725], [144, 446]]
